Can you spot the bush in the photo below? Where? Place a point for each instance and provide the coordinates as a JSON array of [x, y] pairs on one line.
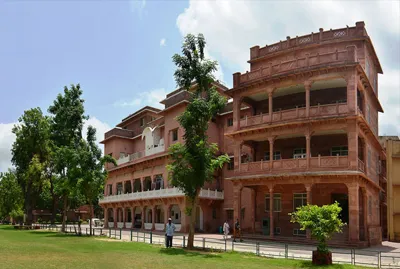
[[322, 221]]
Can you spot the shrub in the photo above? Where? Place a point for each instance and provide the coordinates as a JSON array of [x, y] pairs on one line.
[[322, 221]]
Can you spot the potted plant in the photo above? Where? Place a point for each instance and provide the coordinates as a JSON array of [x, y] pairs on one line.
[[323, 222]]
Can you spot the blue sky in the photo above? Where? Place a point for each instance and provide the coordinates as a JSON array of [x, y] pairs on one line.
[[120, 51]]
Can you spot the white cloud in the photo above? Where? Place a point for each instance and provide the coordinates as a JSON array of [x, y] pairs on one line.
[[101, 128], [231, 28], [6, 140], [150, 98], [163, 42], [138, 6]]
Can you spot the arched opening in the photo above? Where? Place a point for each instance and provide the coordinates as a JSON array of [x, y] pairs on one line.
[[138, 218], [199, 219], [110, 215], [147, 184], [128, 187], [159, 182]]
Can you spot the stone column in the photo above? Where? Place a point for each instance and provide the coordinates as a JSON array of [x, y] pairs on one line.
[[167, 212], [236, 112], [307, 86], [253, 209], [132, 184], [351, 80], [309, 201], [308, 150], [237, 155], [237, 202], [354, 209], [365, 213], [271, 211], [105, 217], [271, 152], [352, 143], [153, 218], [115, 211], [270, 104]]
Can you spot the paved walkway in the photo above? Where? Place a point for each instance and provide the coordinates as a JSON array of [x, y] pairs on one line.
[[388, 255]]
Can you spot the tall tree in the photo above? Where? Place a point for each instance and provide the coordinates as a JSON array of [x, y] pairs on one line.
[[11, 200], [93, 174], [195, 162], [29, 152], [66, 133]]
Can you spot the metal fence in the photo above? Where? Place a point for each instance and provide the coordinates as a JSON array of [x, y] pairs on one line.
[[362, 257]]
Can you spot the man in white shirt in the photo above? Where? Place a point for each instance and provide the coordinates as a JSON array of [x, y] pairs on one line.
[[169, 233], [226, 229]]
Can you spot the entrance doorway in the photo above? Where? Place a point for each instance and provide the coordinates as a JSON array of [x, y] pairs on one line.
[[343, 201]]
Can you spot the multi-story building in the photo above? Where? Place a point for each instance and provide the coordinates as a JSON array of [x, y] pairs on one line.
[[301, 127], [392, 169]]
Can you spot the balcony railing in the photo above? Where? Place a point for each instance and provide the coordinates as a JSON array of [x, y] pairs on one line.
[[361, 166], [163, 193], [320, 163], [294, 114], [140, 154], [272, 69]]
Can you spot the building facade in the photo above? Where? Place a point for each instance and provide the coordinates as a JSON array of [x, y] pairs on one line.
[[392, 167], [301, 127]]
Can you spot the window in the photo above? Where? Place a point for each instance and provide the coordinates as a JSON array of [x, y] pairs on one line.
[[141, 121], [214, 213], [119, 188], [378, 166], [229, 214], [341, 151], [230, 122], [242, 213], [231, 164], [277, 202], [299, 199], [299, 232], [277, 230], [367, 66], [277, 155], [175, 135], [109, 189], [368, 115], [159, 182], [299, 153]]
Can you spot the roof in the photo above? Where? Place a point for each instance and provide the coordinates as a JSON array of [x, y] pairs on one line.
[[138, 112]]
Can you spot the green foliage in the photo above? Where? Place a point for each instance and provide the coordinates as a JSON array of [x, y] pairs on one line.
[[11, 200], [322, 221]]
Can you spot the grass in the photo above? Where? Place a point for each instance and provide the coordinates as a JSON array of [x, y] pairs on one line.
[[44, 249]]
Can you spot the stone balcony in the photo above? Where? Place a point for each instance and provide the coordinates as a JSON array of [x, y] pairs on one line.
[[335, 57], [137, 155], [317, 164], [162, 193]]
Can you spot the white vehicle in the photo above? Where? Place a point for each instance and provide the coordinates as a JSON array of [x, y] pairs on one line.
[[96, 222]]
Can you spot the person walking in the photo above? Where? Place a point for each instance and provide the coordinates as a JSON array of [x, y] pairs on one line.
[[237, 233], [169, 233], [226, 229]]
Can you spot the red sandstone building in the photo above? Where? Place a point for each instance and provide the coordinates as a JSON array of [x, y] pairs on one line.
[[301, 127]]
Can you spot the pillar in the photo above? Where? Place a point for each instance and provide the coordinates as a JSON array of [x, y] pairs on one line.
[[123, 217], [132, 183], [167, 212], [270, 105], [271, 211], [237, 202], [307, 86], [365, 213], [236, 112], [115, 211], [352, 143], [237, 155], [271, 152], [309, 202], [105, 217], [351, 80], [253, 209], [354, 209], [308, 150], [153, 216]]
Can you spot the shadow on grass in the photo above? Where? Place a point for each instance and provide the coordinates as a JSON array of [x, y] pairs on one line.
[[194, 253]]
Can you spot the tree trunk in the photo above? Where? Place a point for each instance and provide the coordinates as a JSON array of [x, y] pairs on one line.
[[28, 205], [192, 224], [91, 218], [53, 203], [65, 198]]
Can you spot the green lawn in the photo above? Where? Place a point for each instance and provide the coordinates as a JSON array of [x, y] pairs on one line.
[[43, 249]]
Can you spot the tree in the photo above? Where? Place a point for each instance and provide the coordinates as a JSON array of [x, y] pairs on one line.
[[66, 134], [93, 174], [11, 200], [322, 221], [195, 162], [29, 153]]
